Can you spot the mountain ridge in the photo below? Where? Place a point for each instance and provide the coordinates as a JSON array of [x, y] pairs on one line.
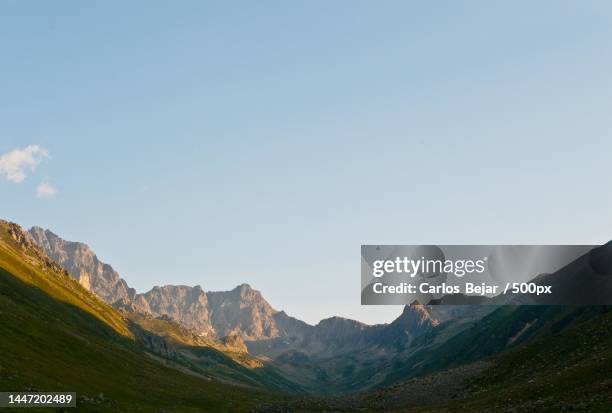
[[59, 336], [241, 318], [213, 314], [216, 314], [337, 356]]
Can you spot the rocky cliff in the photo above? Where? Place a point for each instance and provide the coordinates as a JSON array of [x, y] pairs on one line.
[[242, 311], [235, 315], [83, 265]]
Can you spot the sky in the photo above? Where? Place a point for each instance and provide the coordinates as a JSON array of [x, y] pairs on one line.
[[220, 143]]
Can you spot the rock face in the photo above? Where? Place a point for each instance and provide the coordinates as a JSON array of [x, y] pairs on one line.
[[242, 311], [186, 305], [241, 314], [241, 320], [83, 265], [337, 355], [337, 336], [28, 245]]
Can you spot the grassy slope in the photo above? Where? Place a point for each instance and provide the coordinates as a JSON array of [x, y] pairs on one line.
[[567, 369], [213, 359], [501, 330], [56, 336]]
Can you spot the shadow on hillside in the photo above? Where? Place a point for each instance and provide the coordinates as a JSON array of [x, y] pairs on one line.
[[34, 324]]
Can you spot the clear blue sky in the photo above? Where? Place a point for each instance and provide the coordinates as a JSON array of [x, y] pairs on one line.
[[217, 143]]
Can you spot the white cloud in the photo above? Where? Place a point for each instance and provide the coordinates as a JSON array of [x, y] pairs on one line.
[[45, 190], [14, 165]]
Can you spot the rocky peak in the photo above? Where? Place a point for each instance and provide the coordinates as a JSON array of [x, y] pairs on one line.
[[417, 316], [83, 265], [239, 313], [243, 288], [246, 295], [340, 323], [21, 237], [415, 320], [334, 329], [183, 304], [243, 310], [288, 326], [28, 245]]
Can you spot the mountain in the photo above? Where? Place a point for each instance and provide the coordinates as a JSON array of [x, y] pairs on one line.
[[243, 319], [82, 264], [569, 370], [242, 310], [58, 336], [186, 305], [310, 356], [433, 358], [337, 355]]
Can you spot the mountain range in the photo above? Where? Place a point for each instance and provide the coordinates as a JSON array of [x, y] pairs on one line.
[[306, 354], [232, 351], [213, 314]]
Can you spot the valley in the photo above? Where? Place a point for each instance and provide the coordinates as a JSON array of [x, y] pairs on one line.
[[194, 350]]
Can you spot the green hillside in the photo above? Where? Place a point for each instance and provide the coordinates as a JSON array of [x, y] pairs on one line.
[[566, 371], [179, 347], [56, 336], [503, 329], [568, 368]]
